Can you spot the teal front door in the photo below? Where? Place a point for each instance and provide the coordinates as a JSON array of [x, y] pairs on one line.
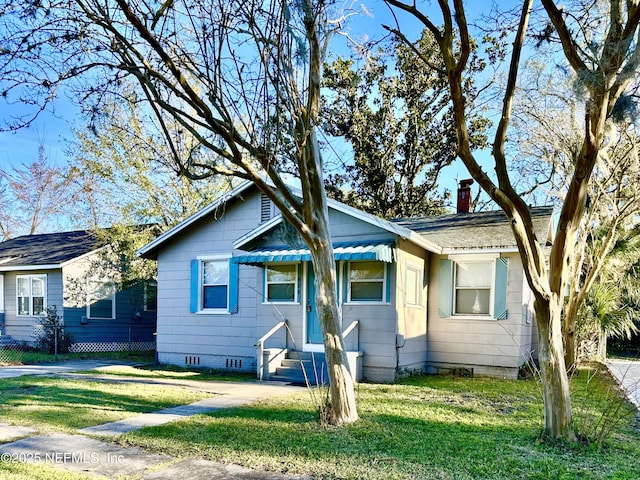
[[314, 333]]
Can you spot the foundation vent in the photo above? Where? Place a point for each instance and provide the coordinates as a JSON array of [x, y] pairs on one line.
[[233, 363], [191, 360]]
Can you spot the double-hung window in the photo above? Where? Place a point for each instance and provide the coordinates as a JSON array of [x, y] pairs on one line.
[[473, 284], [101, 298], [31, 294], [281, 283], [413, 285], [215, 284], [367, 281], [151, 296]]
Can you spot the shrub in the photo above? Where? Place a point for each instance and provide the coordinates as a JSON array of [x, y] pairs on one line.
[[52, 334]]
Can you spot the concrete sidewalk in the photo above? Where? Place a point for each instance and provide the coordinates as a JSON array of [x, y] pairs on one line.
[[56, 368], [628, 375], [98, 458]]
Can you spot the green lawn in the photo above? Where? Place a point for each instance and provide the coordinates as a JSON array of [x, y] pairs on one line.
[[64, 405], [423, 428], [170, 371], [18, 357]]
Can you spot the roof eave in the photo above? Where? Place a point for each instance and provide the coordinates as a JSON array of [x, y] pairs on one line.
[[256, 232], [14, 268], [149, 251]]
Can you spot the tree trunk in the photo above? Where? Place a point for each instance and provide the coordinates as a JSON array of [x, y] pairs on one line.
[[342, 408], [557, 402], [602, 344], [569, 335]]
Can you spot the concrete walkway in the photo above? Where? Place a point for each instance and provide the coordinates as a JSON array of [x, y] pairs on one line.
[[98, 458], [628, 375], [55, 368]]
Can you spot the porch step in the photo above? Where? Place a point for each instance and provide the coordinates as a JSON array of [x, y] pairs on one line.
[[296, 364]]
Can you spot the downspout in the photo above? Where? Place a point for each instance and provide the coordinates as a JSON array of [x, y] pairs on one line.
[[400, 310]]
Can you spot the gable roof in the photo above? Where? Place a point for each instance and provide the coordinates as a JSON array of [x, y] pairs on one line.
[[151, 249], [44, 251], [441, 234], [479, 230]]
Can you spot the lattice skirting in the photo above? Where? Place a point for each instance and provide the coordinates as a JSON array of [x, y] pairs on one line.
[[80, 347]]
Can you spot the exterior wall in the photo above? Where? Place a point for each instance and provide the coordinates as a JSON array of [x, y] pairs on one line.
[[489, 346], [227, 340], [212, 340], [125, 327], [23, 328], [412, 319]]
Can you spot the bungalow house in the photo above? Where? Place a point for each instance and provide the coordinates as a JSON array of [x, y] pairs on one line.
[[236, 291], [64, 270]]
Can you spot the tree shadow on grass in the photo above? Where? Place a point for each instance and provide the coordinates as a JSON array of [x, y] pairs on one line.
[[65, 405], [459, 444]]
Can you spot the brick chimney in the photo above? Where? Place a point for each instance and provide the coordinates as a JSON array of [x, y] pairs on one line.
[[464, 196]]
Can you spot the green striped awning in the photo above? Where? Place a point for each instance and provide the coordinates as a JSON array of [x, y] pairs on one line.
[[382, 252]]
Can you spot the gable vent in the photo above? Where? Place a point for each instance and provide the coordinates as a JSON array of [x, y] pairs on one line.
[[266, 208]]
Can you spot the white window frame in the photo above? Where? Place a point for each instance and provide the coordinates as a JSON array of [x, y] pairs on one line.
[[296, 296], [42, 277], [491, 263], [383, 300], [419, 271], [201, 261]]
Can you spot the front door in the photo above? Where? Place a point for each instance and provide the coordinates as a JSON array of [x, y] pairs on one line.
[[314, 333]]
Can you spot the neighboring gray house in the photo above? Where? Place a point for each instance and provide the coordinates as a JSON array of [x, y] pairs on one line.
[[64, 270], [423, 294]]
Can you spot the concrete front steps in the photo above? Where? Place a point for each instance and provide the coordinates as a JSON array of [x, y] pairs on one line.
[[296, 364]]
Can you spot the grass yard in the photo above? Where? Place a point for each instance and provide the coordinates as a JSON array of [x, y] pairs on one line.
[[420, 428], [19, 357], [171, 371], [30, 471], [61, 404], [423, 428]]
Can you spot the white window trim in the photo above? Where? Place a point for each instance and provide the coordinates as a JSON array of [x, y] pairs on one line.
[[419, 287], [42, 276], [210, 311], [474, 259], [296, 295], [384, 300], [113, 298]]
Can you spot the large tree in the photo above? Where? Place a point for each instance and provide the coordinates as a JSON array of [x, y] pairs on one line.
[[546, 139], [35, 197], [398, 120], [597, 40], [242, 77], [125, 168]]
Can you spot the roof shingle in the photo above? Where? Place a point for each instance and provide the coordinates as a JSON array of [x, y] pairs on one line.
[[478, 230], [47, 249]]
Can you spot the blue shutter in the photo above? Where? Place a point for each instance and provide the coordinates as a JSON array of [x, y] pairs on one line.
[[388, 292], [195, 286], [500, 285], [445, 287], [234, 269], [345, 282]]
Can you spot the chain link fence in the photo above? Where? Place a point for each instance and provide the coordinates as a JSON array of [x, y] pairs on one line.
[[14, 349]]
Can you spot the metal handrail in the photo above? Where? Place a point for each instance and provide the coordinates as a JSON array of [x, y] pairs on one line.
[[353, 326], [260, 347]]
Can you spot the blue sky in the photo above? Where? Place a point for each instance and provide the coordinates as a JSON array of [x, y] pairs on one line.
[[53, 129]]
